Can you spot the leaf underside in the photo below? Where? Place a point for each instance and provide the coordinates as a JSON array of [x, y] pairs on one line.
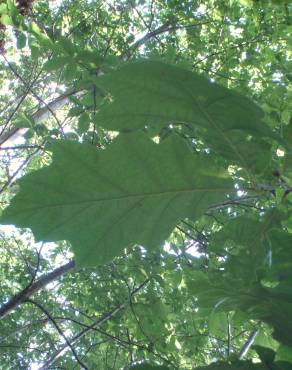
[[102, 201], [154, 94]]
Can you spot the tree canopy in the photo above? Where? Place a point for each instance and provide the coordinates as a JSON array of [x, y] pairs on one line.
[[146, 184]]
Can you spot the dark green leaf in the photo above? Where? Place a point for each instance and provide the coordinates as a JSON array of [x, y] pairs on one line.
[[149, 367], [266, 355], [56, 63], [83, 122], [21, 41], [284, 353], [245, 365], [156, 94], [160, 94]]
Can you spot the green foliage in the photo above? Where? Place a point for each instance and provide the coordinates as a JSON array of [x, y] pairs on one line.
[[21, 41], [148, 367], [56, 63], [180, 220], [162, 94], [247, 365]]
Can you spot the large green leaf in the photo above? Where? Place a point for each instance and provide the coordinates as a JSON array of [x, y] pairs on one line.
[[224, 293], [152, 93], [284, 353], [278, 305], [103, 201], [248, 246]]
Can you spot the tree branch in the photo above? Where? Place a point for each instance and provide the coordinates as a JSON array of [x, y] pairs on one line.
[[50, 108], [162, 29], [33, 288], [248, 344], [228, 336], [30, 89], [107, 316], [42, 114], [53, 321]]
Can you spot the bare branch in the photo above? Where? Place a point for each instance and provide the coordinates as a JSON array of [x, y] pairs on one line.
[[21, 147], [248, 344], [166, 27], [228, 336], [52, 320], [42, 114]]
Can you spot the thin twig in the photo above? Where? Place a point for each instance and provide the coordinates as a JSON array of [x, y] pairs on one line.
[[228, 336], [23, 97], [97, 323], [59, 330], [29, 88], [14, 175]]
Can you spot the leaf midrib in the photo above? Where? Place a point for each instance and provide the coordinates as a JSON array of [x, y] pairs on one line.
[[132, 196]]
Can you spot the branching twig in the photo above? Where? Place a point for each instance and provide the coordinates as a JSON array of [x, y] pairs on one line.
[[15, 174], [97, 323], [52, 320], [29, 88]]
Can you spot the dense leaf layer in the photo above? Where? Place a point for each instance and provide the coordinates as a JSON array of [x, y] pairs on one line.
[[149, 367], [245, 45], [246, 365]]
